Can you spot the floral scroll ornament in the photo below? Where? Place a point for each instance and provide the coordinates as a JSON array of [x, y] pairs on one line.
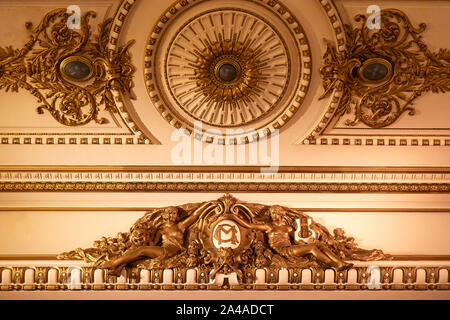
[[38, 68], [411, 70]]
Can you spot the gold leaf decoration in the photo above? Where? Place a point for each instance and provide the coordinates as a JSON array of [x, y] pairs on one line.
[[224, 236], [37, 68], [415, 70]]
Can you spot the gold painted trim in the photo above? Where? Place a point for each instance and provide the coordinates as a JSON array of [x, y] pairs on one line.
[[228, 288], [237, 186], [31, 257], [382, 140], [240, 169], [406, 257], [127, 209], [43, 257], [209, 187]]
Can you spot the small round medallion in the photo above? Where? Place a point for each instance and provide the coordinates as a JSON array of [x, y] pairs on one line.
[[227, 72], [375, 70], [226, 234], [76, 68]]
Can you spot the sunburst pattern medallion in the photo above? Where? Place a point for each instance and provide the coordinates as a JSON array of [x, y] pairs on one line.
[[236, 67], [243, 66]]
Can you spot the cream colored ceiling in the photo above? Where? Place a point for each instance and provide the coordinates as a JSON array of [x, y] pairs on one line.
[[19, 115]]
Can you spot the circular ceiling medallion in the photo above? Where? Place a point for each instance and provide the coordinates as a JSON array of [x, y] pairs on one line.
[[233, 77], [242, 70]]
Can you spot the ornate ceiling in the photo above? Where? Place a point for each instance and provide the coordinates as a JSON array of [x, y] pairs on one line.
[[98, 99], [226, 73]]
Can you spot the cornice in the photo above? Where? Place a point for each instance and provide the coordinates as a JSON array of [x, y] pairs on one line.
[[221, 169], [224, 187], [223, 179], [143, 209], [52, 257]]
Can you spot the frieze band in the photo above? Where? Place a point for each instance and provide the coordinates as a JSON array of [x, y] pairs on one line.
[[221, 187], [226, 244], [63, 278]]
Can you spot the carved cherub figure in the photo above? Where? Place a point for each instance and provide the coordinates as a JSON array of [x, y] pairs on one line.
[[346, 246], [169, 232], [279, 231]]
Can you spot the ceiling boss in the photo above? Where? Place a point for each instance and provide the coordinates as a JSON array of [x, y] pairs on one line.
[[244, 66], [230, 82]]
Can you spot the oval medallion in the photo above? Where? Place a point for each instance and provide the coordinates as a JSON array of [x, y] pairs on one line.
[[76, 68], [375, 70], [226, 234]]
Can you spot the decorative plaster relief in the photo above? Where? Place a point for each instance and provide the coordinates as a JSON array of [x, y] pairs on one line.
[[247, 66], [73, 73], [410, 70]]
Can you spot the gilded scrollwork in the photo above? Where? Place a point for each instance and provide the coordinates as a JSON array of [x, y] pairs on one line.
[[38, 68], [409, 69], [252, 236]]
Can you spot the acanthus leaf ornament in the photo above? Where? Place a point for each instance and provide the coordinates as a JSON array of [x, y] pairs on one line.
[[256, 236], [39, 68], [397, 49]]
